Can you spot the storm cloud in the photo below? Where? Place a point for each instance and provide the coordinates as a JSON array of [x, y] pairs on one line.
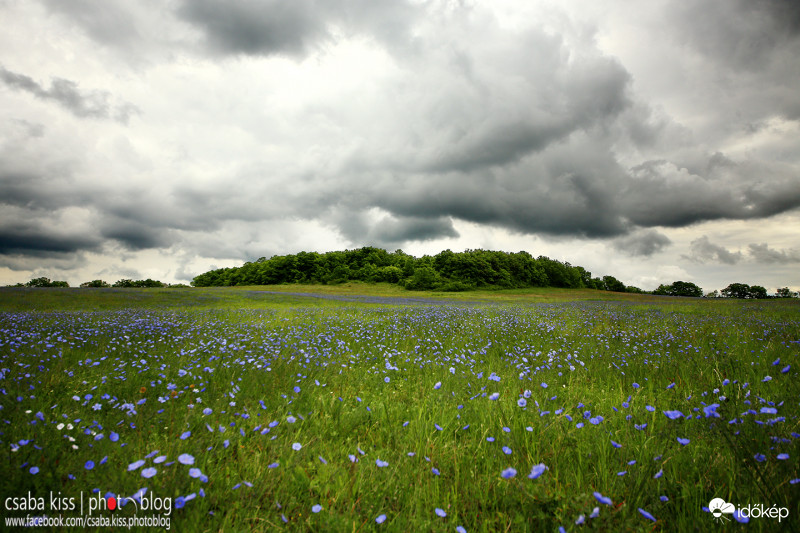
[[84, 104], [272, 127]]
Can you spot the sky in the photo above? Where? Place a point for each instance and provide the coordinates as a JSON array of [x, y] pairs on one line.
[[652, 141]]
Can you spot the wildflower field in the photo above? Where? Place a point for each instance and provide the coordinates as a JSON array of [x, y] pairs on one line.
[[263, 411]]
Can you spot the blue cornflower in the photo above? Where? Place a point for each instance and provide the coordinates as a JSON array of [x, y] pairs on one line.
[[290, 419], [435, 471], [437, 386], [385, 380], [494, 396], [113, 437], [646, 514], [508, 473], [603, 499], [316, 508], [672, 415], [381, 519], [616, 445], [684, 442], [34, 470], [136, 464], [537, 471], [522, 402], [506, 450], [274, 465], [635, 385], [185, 435], [195, 472], [544, 385], [185, 459], [783, 456], [440, 512], [297, 446], [89, 465], [149, 472], [380, 463], [658, 474]]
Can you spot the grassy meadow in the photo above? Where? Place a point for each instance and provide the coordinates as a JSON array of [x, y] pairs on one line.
[[371, 408]]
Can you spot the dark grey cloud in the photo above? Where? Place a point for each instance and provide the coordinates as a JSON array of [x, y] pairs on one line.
[[83, 104], [704, 251], [40, 240], [248, 27], [643, 243], [742, 33], [762, 253]]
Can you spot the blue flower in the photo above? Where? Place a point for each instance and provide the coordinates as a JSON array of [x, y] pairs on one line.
[[684, 442], [658, 474], [537, 471], [635, 385], [185, 435], [672, 415], [603, 499], [185, 459], [149, 472], [136, 464], [435, 471], [440, 512], [506, 450], [494, 396], [297, 446], [522, 402], [34, 470], [646, 514], [616, 445], [274, 465], [89, 465], [381, 518], [316, 508], [783, 456], [380, 463], [385, 380], [508, 473], [437, 386], [544, 385], [195, 472]]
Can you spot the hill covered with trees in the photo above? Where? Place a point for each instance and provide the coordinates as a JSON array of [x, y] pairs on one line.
[[446, 271]]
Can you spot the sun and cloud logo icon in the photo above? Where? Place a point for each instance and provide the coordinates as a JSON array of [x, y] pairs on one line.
[[719, 508]]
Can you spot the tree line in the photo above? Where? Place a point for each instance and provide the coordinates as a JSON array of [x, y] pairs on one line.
[[445, 271], [99, 283]]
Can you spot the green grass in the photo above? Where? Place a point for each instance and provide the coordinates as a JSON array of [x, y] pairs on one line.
[[251, 348]]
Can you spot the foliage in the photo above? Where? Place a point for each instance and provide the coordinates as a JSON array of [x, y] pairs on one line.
[[679, 288], [446, 271], [97, 283], [45, 282], [139, 283], [743, 290]]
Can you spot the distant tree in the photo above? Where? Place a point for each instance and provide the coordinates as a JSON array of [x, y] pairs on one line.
[[613, 284], [45, 282], [758, 292], [124, 283], [634, 290], [736, 290], [679, 288], [712, 294], [97, 283], [785, 292], [424, 278]]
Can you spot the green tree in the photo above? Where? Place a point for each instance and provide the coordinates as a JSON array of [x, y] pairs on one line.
[[613, 284], [785, 292], [758, 292], [736, 290], [97, 283]]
